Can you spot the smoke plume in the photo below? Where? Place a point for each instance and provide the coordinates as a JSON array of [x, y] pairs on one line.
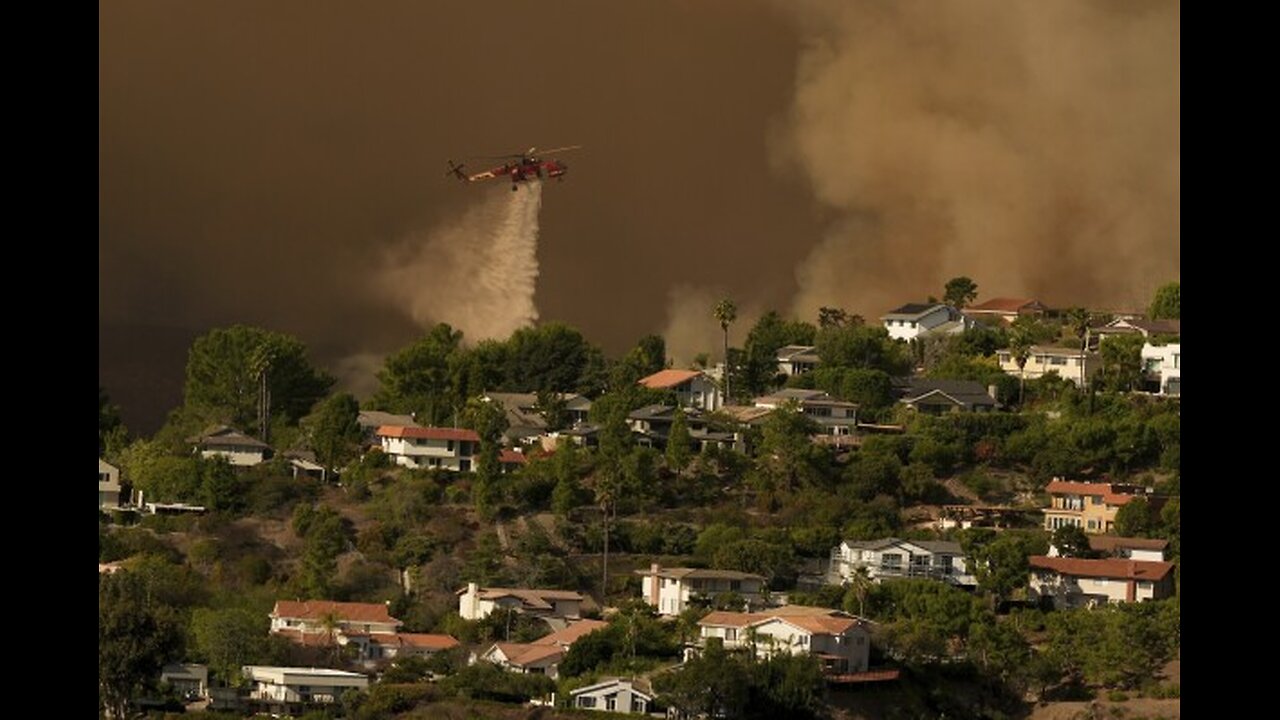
[[691, 327], [478, 274], [1031, 146]]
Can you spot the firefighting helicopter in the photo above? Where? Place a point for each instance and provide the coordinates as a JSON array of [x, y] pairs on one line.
[[519, 167]]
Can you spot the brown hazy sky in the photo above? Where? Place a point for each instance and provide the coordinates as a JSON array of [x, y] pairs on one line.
[[257, 161]]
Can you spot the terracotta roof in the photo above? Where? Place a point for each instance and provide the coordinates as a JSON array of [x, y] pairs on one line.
[[1109, 543], [794, 610], [669, 378], [417, 640], [729, 619], [524, 654], [1003, 305], [313, 639], [511, 456], [1110, 495], [570, 634], [820, 624], [343, 611], [1106, 568], [428, 433]]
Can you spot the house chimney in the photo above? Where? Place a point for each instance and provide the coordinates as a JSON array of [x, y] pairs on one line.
[[991, 390], [654, 597]]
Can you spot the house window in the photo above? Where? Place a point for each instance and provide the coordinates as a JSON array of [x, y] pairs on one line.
[[1095, 499], [586, 701], [464, 465], [731, 634], [610, 702], [1093, 524]]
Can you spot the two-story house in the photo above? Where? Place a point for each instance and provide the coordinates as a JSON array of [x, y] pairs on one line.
[[108, 485], [288, 685], [797, 359], [692, 388], [368, 627], [1076, 582], [370, 420], [835, 417], [893, 558], [1162, 365], [1068, 363], [430, 447], [671, 590], [239, 449], [1091, 507], [912, 320], [475, 602], [840, 641]]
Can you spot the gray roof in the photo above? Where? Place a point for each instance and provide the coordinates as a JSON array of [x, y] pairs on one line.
[[798, 352], [912, 310], [965, 392], [939, 546], [230, 437], [933, 546]]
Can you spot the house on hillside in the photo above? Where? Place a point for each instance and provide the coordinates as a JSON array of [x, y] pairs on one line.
[[475, 602], [797, 359], [239, 449], [692, 388], [1136, 326], [893, 558], [430, 447], [834, 417], [1125, 548], [1091, 507], [366, 627], [525, 419], [912, 320], [108, 485], [296, 685], [1068, 363], [939, 397], [1006, 309], [613, 694], [542, 656], [1162, 367], [671, 590], [1077, 582], [840, 641], [190, 681]]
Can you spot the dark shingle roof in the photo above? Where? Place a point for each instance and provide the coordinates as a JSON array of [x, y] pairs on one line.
[[968, 392]]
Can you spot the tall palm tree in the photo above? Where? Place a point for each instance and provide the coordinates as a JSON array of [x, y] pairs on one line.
[[1020, 349], [860, 584], [1078, 320], [726, 312]]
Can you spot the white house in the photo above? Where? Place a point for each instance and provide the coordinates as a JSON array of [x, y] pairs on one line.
[[692, 388], [475, 602], [915, 319], [1136, 326], [894, 558], [671, 589], [431, 447], [1076, 582], [613, 695], [542, 656], [301, 685], [239, 449], [1163, 365], [382, 645], [1071, 364], [797, 359], [842, 642], [835, 417], [108, 485], [320, 616]]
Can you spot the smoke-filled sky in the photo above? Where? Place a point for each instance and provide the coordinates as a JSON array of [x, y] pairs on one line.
[[281, 164]]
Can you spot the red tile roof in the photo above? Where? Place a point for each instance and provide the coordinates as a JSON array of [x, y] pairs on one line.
[[417, 640], [524, 654], [313, 639], [570, 634], [511, 456], [1105, 568], [812, 623], [343, 611], [728, 619], [1110, 495], [428, 433], [1109, 543], [668, 378]]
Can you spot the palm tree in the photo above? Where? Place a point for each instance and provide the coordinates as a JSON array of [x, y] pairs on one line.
[[726, 312], [1020, 349], [1078, 320], [860, 584]]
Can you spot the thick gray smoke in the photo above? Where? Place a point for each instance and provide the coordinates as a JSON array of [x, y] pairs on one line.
[[1033, 146], [478, 274]]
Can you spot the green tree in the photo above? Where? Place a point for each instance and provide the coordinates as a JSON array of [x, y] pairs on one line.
[[229, 638], [1001, 566], [420, 378], [725, 312], [836, 317], [1020, 350], [1072, 542], [489, 422], [1167, 302], [1122, 361], [220, 489], [225, 368], [555, 357], [1133, 519], [325, 535], [679, 443], [715, 684], [137, 635], [760, 366], [111, 431], [787, 457], [862, 346], [334, 430], [960, 291]]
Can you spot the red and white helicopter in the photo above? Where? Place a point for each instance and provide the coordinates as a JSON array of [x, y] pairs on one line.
[[519, 167]]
